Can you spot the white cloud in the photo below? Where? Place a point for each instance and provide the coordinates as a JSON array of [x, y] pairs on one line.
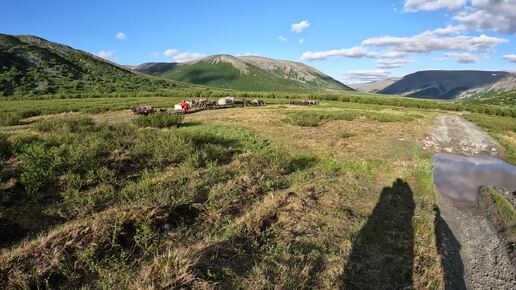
[[301, 40], [155, 53], [282, 38], [354, 52], [392, 54], [497, 15], [448, 30], [361, 76], [121, 36], [171, 52], [178, 56], [432, 5], [106, 54], [391, 63], [451, 40], [430, 41], [510, 57], [461, 57], [299, 27]]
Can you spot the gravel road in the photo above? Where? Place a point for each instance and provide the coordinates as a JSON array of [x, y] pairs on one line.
[[453, 134], [474, 257]]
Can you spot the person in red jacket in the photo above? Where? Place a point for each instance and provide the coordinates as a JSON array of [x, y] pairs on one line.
[[184, 106]]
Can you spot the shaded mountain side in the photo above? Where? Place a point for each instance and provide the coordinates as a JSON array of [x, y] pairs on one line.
[[439, 84], [30, 65], [247, 73]]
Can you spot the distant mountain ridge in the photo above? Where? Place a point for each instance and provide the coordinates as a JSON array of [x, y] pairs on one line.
[[440, 84], [30, 65], [248, 73], [374, 86]]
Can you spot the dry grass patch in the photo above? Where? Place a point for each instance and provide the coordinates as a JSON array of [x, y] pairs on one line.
[[390, 140]]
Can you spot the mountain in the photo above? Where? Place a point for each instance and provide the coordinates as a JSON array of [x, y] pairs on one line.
[[248, 73], [505, 84], [374, 86], [30, 65], [439, 84], [507, 99]]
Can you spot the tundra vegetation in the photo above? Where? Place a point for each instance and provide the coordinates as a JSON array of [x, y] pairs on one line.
[[271, 197]]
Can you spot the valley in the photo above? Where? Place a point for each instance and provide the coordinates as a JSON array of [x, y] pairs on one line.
[[381, 185]]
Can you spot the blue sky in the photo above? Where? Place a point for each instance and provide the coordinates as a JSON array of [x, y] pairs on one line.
[[353, 41]]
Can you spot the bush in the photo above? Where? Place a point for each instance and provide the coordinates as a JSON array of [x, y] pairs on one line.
[[39, 167], [21, 142], [159, 120], [5, 147], [304, 119], [81, 157], [157, 148], [71, 124]]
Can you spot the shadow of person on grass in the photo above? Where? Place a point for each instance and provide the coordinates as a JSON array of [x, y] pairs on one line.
[[382, 255], [449, 250]]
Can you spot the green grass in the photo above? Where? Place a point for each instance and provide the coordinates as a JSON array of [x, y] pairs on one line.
[[160, 120], [316, 118], [504, 208], [500, 128], [15, 109]]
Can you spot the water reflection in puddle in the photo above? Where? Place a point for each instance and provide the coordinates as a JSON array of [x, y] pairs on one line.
[[459, 177]]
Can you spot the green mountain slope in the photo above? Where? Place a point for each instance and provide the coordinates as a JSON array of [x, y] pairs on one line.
[[247, 73], [506, 99], [31, 65]]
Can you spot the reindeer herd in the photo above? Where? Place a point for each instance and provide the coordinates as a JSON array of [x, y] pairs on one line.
[[226, 102], [203, 104], [304, 103]]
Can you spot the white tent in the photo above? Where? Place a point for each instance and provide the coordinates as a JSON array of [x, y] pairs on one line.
[[226, 101]]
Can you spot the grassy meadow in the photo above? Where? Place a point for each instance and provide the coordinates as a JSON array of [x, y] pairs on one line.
[[273, 197]]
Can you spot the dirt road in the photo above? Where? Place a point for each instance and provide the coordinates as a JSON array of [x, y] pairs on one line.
[[474, 257], [453, 134]]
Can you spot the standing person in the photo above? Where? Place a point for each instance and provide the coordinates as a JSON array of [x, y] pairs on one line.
[[184, 106]]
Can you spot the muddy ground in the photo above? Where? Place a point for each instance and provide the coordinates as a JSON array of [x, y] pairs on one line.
[[474, 257]]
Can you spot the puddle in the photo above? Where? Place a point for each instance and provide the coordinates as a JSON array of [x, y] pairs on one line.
[[459, 177]]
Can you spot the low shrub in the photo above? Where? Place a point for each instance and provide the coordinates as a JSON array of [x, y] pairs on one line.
[[39, 167], [304, 119], [155, 148], [159, 120], [5, 147], [71, 124], [21, 142]]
